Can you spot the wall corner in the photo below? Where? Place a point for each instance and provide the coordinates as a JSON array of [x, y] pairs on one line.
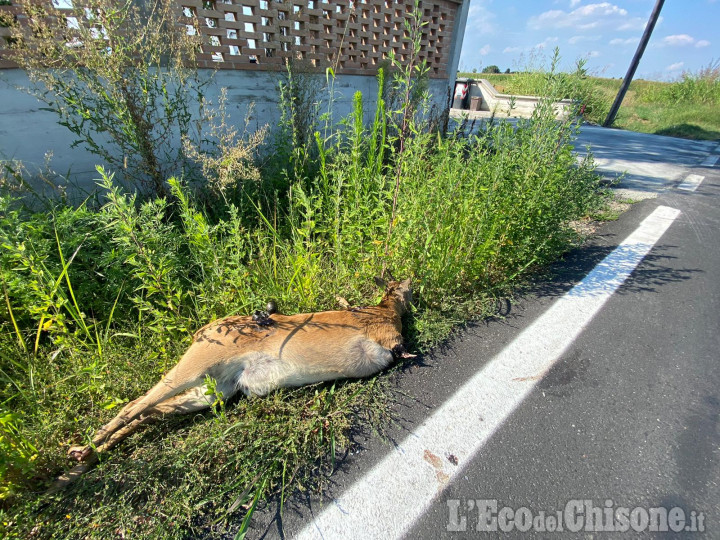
[[457, 41]]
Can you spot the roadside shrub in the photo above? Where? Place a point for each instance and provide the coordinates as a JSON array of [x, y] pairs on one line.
[[227, 160], [120, 78], [17, 454]]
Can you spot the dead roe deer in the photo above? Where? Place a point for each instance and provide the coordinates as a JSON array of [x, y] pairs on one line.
[[259, 354]]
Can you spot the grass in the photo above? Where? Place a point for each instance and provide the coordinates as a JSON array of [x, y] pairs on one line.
[[686, 108], [698, 122], [100, 299]]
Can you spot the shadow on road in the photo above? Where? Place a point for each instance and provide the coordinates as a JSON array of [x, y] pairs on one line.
[[689, 131]]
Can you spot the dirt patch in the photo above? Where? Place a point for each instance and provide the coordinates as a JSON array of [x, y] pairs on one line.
[[587, 226]]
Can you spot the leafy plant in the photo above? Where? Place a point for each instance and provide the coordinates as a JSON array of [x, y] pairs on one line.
[[215, 396], [701, 87], [119, 77], [17, 454], [228, 161]]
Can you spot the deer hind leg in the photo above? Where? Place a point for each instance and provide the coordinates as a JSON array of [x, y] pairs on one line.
[[187, 402], [161, 392]]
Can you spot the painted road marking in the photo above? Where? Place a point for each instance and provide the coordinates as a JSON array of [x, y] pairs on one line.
[[396, 492], [710, 161], [691, 183]]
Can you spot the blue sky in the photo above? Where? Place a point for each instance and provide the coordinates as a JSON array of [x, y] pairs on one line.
[[510, 34]]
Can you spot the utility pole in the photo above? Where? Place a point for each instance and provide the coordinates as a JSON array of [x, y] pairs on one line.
[[634, 64]]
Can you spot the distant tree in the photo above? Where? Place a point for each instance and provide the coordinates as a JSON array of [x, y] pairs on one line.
[[474, 70], [491, 69], [507, 70]]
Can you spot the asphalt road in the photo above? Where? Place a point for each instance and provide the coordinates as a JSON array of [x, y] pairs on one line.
[[624, 421]]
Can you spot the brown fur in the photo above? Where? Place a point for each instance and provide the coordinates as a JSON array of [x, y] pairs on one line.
[[241, 354]]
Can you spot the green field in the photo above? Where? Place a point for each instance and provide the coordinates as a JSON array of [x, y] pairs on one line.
[[686, 108]]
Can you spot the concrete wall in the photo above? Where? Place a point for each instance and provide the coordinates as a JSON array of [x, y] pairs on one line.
[[27, 133], [358, 35]]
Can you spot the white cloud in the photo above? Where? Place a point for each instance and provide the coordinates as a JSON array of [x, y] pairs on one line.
[[554, 17], [683, 40], [593, 54], [637, 23], [628, 41], [675, 67], [588, 17], [480, 18], [578, 39], [545, 43], [512, 50], [484, 51], [678, 40], [574, 3]]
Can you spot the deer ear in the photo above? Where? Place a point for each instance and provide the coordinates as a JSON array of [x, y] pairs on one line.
[[406, 284], [380, 282]]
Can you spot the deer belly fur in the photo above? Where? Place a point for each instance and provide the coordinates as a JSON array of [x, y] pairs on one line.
[[263, 372]]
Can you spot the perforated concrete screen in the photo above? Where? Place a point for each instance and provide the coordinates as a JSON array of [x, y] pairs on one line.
[[352, 37], [356, 37]]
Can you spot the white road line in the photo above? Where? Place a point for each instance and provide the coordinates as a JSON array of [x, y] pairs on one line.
[[691, 182], [710, 161], [388, 500]]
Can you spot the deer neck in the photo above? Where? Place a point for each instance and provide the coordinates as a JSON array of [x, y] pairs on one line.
[[393, 305]]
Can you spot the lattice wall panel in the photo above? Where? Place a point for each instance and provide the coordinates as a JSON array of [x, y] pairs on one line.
[[356, 37], [7, 14]]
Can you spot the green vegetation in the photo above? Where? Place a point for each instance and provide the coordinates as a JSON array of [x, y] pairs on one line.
[[100, 299], [687, 107], [536, 78], [120, 73]]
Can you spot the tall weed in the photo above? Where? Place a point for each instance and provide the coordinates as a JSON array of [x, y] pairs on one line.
[[690, 88], [539, 76]]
